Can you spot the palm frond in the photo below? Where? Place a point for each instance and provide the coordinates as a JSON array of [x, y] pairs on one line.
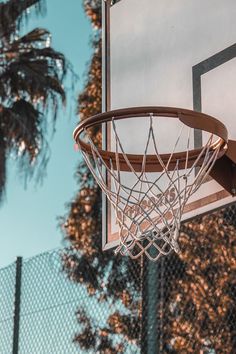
[[31, 39], [12, 12], [31, 77], [21, 126], [22, 133], [33, 73]]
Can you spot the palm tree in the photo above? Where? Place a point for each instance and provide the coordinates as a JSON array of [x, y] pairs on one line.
[[31, 75]]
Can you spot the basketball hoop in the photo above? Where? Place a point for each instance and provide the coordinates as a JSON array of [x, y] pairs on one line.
[[148, 210]]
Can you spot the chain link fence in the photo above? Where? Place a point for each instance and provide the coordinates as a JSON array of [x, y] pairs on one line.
[[184, 303]]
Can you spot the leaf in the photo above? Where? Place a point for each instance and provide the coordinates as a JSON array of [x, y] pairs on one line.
[[12, 11]]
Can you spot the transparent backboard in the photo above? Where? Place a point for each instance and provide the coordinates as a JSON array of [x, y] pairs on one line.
[[179, 53]]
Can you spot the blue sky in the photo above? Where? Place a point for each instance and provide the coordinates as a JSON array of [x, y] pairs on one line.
[[28, 216]]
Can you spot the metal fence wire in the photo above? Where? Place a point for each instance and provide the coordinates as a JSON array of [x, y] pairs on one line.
[[184, 303]]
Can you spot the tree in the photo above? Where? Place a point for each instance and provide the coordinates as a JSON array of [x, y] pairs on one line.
[[108, 279], [196, 308], [31, 75], [201, 307]]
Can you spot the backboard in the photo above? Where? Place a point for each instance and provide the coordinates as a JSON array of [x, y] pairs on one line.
[[179, 53]]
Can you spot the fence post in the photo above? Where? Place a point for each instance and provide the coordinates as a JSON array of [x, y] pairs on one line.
[[16, 327], [152, 285], [152, 307]]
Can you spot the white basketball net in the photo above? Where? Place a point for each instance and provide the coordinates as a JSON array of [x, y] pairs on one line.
[[149, 210]]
